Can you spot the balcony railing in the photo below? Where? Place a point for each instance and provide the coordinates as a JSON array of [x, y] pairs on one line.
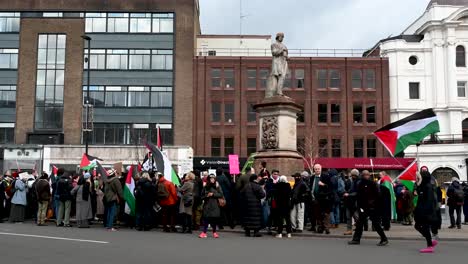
[[239, 52], [446, 139]]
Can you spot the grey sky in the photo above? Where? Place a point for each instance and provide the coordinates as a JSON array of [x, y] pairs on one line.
[[313, 23]]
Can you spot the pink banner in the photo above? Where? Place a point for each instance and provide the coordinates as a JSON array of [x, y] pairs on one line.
[[234, 164]]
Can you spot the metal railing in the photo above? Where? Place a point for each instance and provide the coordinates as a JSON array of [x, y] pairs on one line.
[[446, 139], [240, 52]]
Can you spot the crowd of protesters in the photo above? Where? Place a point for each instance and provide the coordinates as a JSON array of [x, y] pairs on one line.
[[318, 201]]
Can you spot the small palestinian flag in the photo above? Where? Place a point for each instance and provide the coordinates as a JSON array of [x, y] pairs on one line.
[[88, 162], [397, 136], [163, 164], [387, 182], [129, 188], [408, 176]]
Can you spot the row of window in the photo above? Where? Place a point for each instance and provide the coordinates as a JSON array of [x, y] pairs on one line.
[[295, 78], [129, 96], [125, 134], [326, 148], [104, 22], [129, 59]]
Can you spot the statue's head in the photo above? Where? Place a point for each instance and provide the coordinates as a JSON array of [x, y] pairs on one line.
[[280, 36]]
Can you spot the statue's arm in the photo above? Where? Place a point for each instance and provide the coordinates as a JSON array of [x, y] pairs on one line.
[[276, 50]]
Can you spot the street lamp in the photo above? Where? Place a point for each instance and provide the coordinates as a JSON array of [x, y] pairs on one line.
[[88, 39]]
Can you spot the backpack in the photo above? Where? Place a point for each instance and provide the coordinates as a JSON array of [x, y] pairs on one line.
[[459, 195], [13, 187], [163, 192]]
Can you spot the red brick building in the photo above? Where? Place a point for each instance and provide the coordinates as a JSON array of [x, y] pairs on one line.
[[344, 99]]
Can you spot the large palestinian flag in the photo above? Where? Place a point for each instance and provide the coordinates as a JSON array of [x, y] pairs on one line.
[[163, 164], [397, 136], [88, 162]]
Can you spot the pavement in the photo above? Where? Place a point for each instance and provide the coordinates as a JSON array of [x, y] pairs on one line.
[[27, 243]]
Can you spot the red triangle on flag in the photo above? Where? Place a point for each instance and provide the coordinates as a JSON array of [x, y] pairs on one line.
[[389, 139], [84, 161], [409, 174]]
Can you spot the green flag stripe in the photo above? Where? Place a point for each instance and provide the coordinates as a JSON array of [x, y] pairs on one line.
[[416, 137], [129, 199]]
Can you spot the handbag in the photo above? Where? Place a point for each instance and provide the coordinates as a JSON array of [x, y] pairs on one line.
[[221, 202], [50, 213]]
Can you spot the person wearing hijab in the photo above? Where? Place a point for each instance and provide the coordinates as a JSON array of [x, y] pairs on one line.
[[425, 213], [83, 201]]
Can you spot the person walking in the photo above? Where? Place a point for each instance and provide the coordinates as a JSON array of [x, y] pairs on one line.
[[456, 197], [368, 197], [64, 187], [282, 205], [43, 197], [425, 213], [251, 206], [186, 203], [167, 199], [112, 195], [19, 201], [82, 194], [145, 194], [211, 194]]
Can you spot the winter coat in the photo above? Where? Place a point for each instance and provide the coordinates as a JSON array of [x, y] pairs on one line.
[[282, 197], [300, 192], [64, 187], [20, 194], [113, 190], [42, 190], [349, 201], [368, 195], [250, 200], [170, 187], [451, 194], [243, 180], [407, 202], [326, 195], [187, 195], [211, 207], [145, 194], [226, 186], [83, 208], [426, 210]]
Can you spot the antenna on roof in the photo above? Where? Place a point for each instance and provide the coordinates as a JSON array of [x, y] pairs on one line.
[[241, 17]]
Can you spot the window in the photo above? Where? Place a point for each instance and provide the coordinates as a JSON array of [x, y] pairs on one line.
[[356, 82], [460, 56], [7, 96], [50, 81], [117, 22], [229, 81], [323, 147], [7, 133], [300, 144], [414, 90], [299, 75], [251, 78], [251, 146], [216, 147], [161, 97], [95, 22], [251, 113], [52, 14], [370, 78], [163, 23], [371, 148], [216, 112], [9, 22], [358, 147], [370, 113], [162, 60], [336, 148], [357, 113], [229, 112], [96, 94], [138, 96], [322, 113], [461, 89], [335, 79], [97, 59], [116, 96], [140, 22], [117, 59], [322, 79], [335, 113], [8, 58], [263, 77], [215, 78], [287, 80], [140, 59], [111, 134], [228, 146], [301, 117]]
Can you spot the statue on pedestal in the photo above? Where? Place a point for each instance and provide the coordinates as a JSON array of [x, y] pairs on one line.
[[279, 67]]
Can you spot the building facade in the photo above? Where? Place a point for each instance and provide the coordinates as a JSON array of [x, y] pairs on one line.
[[345, 99], [428, 69]]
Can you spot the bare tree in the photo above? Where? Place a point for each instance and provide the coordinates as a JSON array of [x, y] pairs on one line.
[[311, 150]]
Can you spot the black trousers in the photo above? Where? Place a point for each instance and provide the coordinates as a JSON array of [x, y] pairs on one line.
[[425, 230], [452, 210], [281, 217], [376, 224], [186, 222]]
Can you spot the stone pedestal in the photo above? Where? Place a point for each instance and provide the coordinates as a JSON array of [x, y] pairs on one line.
[[278, 135]]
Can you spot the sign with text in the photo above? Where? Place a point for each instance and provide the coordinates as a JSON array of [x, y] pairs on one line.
[[233, 164]]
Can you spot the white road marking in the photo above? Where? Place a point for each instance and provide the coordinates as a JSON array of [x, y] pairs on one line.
[[55, 238]]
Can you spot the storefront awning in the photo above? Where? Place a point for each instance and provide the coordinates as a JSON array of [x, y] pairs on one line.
[[364, 163]]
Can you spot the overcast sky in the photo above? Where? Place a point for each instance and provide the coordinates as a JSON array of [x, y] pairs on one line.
[[311, 24]]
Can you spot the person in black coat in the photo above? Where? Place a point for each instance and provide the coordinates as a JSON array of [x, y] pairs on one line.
[[325, 200], [251, 207], [145, 192], [456, 197], [425, 213], [281, 201], [368, 203], [226, 185]]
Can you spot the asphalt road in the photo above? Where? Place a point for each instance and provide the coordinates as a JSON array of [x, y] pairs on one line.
[[26, 243]]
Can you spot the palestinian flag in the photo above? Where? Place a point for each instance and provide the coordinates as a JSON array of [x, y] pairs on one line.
[[387, 182], [88, 162], [408, 176], [163, 164], [128, 191], [158, 138], [248, 163], [397, 136], [101, 170]]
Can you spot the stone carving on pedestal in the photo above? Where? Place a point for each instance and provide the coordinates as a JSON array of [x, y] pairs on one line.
[[270, 133]]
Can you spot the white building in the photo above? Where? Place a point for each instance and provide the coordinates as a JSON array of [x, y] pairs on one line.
[[428, 69], [233, 45]]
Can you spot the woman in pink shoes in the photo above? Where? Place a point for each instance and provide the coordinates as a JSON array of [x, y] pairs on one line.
[[425, 214], [211, 195]]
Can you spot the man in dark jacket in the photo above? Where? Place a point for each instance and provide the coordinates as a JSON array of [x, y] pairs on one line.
[[63, 192], [456, 197], [43, 196], [145, 194], [368, 202], [112, 195], [299, 196]]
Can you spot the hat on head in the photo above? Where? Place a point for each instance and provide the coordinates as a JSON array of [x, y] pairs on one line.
[[297, 174], [111, 172], [87, 175]]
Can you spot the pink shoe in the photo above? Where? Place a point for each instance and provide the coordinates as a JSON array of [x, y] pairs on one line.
[[434, 243], [203, 235], [427, 250], [215, 235]]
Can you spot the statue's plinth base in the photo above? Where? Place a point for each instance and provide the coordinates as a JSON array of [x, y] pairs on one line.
[[283, 156]]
